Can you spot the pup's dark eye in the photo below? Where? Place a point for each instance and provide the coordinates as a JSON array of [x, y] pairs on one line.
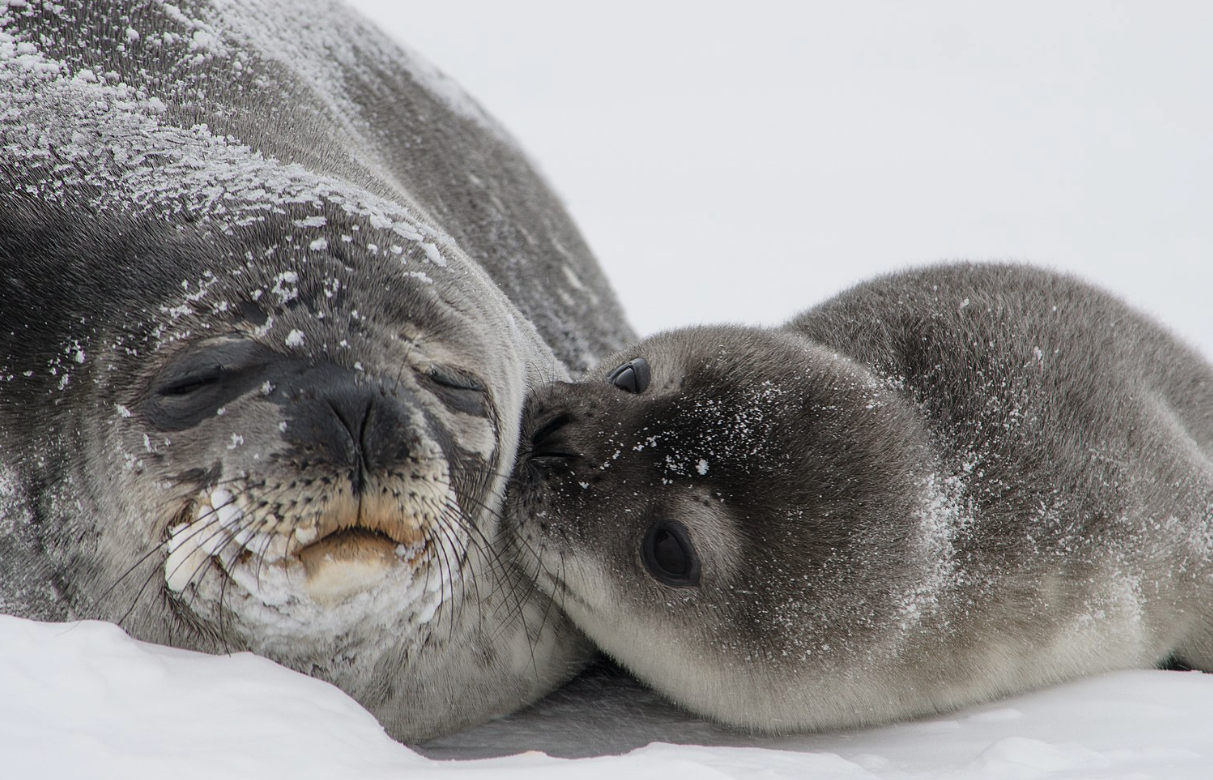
[[631, 377], [668, 554]]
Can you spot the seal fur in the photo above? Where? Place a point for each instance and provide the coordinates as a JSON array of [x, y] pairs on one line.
[[273, 293], [940, 487]]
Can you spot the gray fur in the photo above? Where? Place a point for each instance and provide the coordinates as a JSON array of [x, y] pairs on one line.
[[938, 488], [277, 181]]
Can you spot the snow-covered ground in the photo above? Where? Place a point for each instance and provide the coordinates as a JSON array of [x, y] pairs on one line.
[[730, 165], [85, 701]]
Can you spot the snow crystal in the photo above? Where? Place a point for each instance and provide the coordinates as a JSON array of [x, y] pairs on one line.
[[405, 231], [284, 286], [118, 132], [206, 41], [295, 338], [433, 254]]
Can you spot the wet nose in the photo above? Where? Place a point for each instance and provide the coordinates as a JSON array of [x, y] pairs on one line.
[[350, 422], [552, 428], [549, 439]]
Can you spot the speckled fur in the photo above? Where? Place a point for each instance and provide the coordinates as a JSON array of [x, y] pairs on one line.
[[940, 487], [277, 172]]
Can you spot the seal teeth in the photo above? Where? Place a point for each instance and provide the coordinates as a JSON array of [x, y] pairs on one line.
[[277, 548], [345, 550], [229, 515]]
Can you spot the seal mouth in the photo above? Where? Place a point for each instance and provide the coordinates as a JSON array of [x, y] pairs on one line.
[[345, 548]]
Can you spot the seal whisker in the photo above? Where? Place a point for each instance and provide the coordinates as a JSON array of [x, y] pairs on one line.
[[450, 519], [433, 542], [232, 394], [266, 521], [220, 617], [151, 576], [521, 588], [446, 589], [138, 594], [142, 559]]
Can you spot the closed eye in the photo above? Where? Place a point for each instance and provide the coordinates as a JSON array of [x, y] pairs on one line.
[[455, 380], [198, 380], [458, 391], [201, 378]]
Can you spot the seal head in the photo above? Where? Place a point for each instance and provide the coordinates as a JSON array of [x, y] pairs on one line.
[[273, 294], [706, 522]]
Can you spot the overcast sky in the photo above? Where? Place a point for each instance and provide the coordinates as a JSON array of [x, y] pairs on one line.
[[741, 165]]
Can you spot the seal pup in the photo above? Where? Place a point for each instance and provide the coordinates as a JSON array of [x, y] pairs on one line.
[[273, 293], [938, 488]]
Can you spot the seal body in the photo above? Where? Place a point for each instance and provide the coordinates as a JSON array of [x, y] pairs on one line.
[[273, 293], [938, 488]]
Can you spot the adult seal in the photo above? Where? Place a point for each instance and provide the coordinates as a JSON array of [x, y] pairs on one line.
[[938, 488], [273, 293]]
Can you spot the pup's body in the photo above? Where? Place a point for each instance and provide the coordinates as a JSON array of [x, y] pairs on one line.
[[938, 488]]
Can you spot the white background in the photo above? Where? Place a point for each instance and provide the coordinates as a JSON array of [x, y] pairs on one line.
[[741, 162]]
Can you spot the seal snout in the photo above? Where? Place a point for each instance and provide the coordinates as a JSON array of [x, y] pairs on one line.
[[347, 425], [550, 442], [360, 427], [349, 487], [556, 421]]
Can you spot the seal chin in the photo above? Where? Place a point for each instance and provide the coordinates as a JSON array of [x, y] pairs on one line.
[[353, 561], [327, 559]]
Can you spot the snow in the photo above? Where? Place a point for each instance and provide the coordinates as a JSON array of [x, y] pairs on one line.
[[740, 169], [85, 700]]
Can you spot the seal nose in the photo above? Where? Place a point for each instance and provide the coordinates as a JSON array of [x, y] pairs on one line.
[[549, 442], [355, 424], [554, 417]]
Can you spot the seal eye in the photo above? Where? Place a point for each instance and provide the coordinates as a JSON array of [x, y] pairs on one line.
[[459, 391], [200, 379], [454, 380], [668, 554], [631, 377]]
